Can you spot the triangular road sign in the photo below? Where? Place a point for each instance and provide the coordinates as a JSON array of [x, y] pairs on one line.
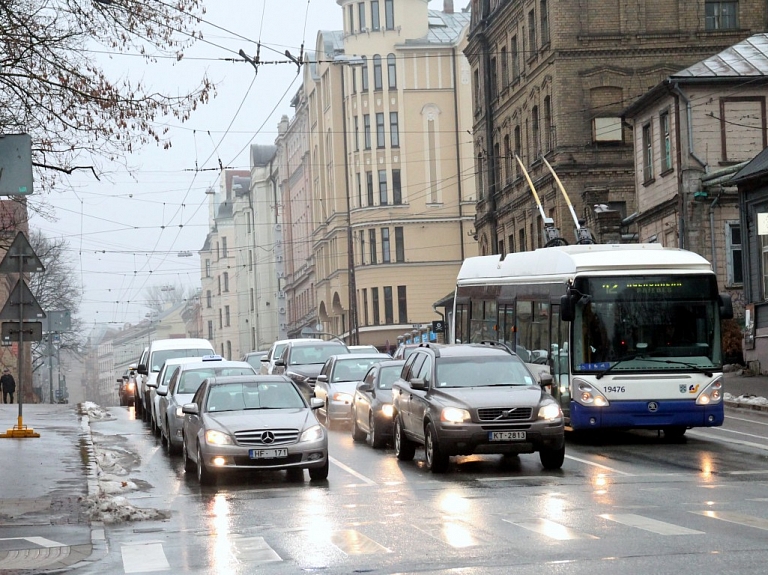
[[22, 295], [21, 248]]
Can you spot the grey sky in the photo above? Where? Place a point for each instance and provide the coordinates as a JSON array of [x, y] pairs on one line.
[[125, 231]]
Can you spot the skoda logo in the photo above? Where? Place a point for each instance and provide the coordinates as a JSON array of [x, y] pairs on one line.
[[653, 406], [267, 437]]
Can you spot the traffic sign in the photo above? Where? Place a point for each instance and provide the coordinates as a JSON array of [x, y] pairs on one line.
[[15, 164], [438, 326], [22, 296], [21, 249], [30, 331]]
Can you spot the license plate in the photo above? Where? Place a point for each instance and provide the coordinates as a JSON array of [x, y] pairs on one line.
[[268, 453], [506, 435]]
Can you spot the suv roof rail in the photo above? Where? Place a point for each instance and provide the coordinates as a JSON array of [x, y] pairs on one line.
[[431, 345], [493, 343]]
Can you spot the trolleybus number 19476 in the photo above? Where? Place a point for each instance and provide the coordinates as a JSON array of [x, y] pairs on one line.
[[615, 389]]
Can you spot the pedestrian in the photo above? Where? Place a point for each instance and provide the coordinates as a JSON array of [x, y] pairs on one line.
[[8, 385]]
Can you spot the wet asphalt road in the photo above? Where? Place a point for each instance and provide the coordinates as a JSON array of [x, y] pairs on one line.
[[629, 503]]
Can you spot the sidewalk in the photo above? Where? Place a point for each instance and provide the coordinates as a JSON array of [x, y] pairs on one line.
[[746, 391]]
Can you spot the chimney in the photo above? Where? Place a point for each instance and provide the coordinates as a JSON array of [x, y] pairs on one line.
[[448, 6]]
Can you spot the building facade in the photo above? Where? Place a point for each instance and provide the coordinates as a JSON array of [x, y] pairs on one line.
[[551, 79]]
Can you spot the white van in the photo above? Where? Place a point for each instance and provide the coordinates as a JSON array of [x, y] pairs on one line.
[[155, 356]]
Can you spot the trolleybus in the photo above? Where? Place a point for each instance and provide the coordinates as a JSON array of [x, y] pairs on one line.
[[631, 333]]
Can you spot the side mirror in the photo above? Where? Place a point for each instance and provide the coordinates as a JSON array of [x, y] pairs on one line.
[[545, 379], [316, 403], [152, 384], [279, 362], [119, 380], [162, 390], [323, 377], [726, 306], [142, 369], [190, 408], [365, 386], [418, 383], [567, 305]]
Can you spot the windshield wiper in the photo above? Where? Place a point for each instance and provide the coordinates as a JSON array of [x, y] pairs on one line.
[[700, 369], [618, 361]]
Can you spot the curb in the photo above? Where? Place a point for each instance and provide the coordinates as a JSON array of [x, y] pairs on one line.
[[744, 406]]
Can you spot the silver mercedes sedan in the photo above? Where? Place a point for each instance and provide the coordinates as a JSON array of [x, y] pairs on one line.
[[253, 422]]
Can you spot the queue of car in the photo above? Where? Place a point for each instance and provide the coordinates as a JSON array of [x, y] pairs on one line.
[[265, 411]]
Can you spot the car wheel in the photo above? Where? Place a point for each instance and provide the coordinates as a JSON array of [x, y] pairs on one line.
[[204, 475], [189, 465], [437, 461], [153, 426], [674, 433], [552, 458], [374, 437], [404, 447], [319, 473], [357, 433], [329, 423], [169, 448]]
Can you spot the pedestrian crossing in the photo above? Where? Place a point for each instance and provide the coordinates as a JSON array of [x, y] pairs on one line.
[[382, 538]]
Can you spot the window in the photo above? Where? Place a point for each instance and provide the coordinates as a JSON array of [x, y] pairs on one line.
[[531, 33], [394, 130], [369, 180], [511, 243], [647, 154], [480, 176], [399, 245], [367, 131], [207, 268], [385, 253], [548, 143], [389, 310], [365, 306], [364, 74], [734, 271], [521, 245], [226, 281], [226, 315], [380, 139], [383, 187], [250, 260], [544, 17], [229, 351], [377, 78], [357, 133], [253, 299], [208, 299], [375, 24], [507, 160], [391, 72], [666, 143], [362, 247], [476, 87], [351, 18], [397, 195], [221, 320], [389, 14], [359, 190], [402, 305], [515, 59], [535, 132], [219, 281], [721, 15], [375, 304], [517, 149], [210, 329], [504, 68], [372, 246], [494, 78], [361, 15]]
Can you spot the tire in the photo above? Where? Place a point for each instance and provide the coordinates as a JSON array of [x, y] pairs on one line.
[[674, 433], [204, 475], [552, 458], [357, 433], [170, 449], [375, 438], [436, 459], [404, 447], [329, 423], [319, 473], [154, 426], [189, 465]]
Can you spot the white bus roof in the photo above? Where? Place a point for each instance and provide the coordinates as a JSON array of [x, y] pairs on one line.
[[557, 263]]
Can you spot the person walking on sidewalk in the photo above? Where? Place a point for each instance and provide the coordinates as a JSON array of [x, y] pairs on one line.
[[8, 385]]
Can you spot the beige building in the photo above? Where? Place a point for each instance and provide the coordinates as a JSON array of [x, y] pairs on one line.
[[553, 81], [398, 189]]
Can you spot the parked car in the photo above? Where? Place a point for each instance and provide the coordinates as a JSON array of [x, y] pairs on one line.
[[363, 349], [155, 356], [336, 384], [161, 382], [302, 360], [255, 357], [185, 378], [474, 398], [406, 349], [138, 405], [372, 403], [252, 422], [275, 351], [127, 387]]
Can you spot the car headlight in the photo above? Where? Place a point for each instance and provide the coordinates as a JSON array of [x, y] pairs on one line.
[[345, 397], [713, 393], [314, 433], [455, 415], [550, 412], [218, 438], [387, 410], [179, 412], [588, 395], [130, 386]]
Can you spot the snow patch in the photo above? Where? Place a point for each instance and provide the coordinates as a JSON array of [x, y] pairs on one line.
[[110, 510], [746, 399]]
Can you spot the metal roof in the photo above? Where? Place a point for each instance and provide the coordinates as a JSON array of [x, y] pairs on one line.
[[747, 58], [754, 169], [444, 28]]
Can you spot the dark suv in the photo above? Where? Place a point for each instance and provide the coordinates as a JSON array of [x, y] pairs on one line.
[[474, 398], [302, 360]]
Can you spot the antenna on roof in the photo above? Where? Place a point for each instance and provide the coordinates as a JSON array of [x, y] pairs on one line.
[[583, 234], [551, 233]]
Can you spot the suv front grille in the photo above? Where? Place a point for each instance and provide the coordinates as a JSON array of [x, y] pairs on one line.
[[255, 437], [502, 414]]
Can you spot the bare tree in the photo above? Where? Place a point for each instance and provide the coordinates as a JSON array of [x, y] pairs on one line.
[[160, 297], [53, 87]]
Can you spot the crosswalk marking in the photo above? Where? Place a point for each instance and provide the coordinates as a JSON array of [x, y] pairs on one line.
[[353, 542], [551, 529], [454, 533], [255, 550], [738, 518], [144, 557], [648, 524]]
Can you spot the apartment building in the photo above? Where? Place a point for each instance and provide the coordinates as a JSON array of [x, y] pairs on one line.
[[389, 109], [552, 81]]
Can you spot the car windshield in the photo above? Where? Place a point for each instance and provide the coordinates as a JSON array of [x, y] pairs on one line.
[[168, 374], [192, 378], [306, 354], [353, 369], [254, 395], [481, 371], [388, 375], [255, 359], [163, 355]]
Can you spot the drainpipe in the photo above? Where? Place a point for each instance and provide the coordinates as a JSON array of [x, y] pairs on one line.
[[689, 114], [712, 232]]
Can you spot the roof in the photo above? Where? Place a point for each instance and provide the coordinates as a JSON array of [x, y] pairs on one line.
[[262, 154], [444, 28], [754, 169], [748, 58]]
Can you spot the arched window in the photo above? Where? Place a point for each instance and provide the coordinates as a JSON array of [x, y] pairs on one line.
[[391, 71], [364, 74], [377, 82]]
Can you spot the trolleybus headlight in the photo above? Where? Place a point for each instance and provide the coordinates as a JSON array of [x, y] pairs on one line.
[[589, 395], [550, 412], [713, 393]]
